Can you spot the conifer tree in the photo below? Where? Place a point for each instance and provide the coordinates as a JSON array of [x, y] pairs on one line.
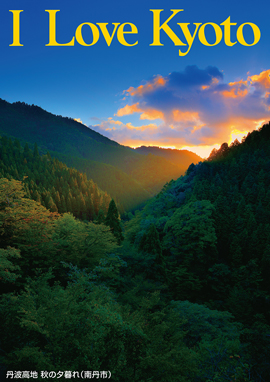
[[112, 220]]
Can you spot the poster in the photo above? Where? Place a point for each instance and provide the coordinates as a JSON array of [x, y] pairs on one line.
[[176, 75]]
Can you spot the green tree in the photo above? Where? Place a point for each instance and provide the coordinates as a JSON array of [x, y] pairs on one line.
[[19, 214], [101, 217], [216, 339], [150, 242], [74, 328], [190, 234], [150, 245], [112, 220], [82, 243], [26, 226], [6, 265]]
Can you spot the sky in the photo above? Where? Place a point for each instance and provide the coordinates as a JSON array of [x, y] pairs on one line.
[[135, 88]]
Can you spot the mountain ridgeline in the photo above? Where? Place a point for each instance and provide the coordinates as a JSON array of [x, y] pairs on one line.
[[126, 175], [181, 158], [179, 293]]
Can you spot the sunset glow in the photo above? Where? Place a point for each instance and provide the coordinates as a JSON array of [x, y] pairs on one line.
[[192, 109], [236, 134], [134, 91]]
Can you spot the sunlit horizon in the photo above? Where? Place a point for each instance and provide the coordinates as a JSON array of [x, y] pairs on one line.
[[201, 150]]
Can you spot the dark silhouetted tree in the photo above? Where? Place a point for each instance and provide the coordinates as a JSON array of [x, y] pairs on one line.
[[112, 220]]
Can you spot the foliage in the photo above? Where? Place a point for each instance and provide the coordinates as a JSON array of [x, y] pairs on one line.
[[112, 221], [98, 338], [135, 346], [216, 340], [17, 212], [6, 266], [50, 182], [213, 226], [82, 243], [202, 242], [195, 222]]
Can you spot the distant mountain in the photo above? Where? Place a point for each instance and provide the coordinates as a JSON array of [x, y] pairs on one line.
[[182, 158], [127, 175]]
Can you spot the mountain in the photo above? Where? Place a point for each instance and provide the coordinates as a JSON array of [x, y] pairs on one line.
[[186, 294], [50, 182], [182, 158], [128, 176], [207, 234]]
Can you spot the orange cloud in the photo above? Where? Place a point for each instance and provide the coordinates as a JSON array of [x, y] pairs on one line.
[[192, 108], [179, 115], [141, 128], [149, 114], [234, 93], [115, 122], [128, 109], [262, 79], [158, 81], [152, 114], [238, 89], [238, 83], [214, 81]]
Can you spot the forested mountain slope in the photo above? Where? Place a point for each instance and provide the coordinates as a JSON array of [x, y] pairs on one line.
[[207, 235], [183, 298], [128, 192], [131, 178], [181, 158], [50, 182]]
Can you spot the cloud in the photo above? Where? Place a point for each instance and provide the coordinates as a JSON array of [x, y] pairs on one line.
[[156, 83], [261, 81], [95, 118], [129, 109], [236, 89], [150, 114], [124, 133], [193, 77], [78, 120], [192, 107]]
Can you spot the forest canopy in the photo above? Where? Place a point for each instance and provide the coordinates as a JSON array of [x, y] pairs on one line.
[[180, 292]]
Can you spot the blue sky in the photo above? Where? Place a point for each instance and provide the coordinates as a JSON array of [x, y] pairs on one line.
[[141, 94]]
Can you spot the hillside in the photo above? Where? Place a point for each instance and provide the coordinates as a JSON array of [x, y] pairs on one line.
[[182, 158], [185, 297], [50, 182], [79, 146], [212, 246]]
